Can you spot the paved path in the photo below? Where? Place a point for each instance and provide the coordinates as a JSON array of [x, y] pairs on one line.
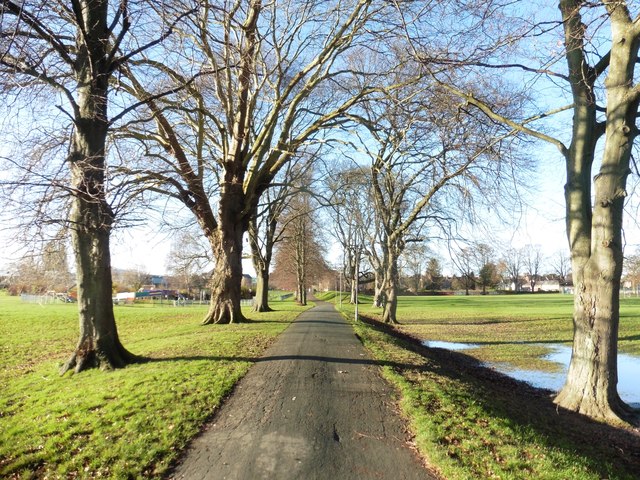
[[314, 407]]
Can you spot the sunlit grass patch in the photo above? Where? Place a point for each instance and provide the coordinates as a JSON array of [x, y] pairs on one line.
[[127, 423]]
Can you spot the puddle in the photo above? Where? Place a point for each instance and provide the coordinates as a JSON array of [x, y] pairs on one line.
[[449, 345], [628, 369]]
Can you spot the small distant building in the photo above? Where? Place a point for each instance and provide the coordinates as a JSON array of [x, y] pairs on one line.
[[548, 286], [158, 281], [247, 281]]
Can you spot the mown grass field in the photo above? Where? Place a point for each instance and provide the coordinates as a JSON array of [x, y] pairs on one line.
[[508, 328], [472, 424], [128, 423], [132, 423]]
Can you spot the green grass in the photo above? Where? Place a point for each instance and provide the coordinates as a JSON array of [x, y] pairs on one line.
[[509, 329], [127, 423], [469, 430]]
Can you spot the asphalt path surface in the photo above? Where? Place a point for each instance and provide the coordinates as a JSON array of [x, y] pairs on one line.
[[313, 407]]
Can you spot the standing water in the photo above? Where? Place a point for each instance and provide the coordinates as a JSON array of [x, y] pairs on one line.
[[628, 369]]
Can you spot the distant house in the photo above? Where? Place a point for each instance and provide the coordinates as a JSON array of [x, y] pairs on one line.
[[548, 286], [158, 281], [247, 281]]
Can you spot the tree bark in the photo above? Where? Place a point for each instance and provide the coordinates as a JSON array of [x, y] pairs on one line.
[[591, 385], [595, 232], [226, 243], [378, 287], [378, 294], [391, 288], [261, 301], [91, 217], [301, 260], [261, 261]]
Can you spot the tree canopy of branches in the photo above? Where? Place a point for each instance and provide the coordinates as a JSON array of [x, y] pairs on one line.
[[429, 158], [254, 83], [349, 189]]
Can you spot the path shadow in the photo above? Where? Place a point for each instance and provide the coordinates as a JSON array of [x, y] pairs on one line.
[[276, 358], [325, 322], [630, 338]]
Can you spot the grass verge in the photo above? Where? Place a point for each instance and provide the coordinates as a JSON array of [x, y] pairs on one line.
[[471, 423], [127, 423]]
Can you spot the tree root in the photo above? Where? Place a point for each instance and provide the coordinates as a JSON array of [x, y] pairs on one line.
[[101, 358], [616, 412], [223, 315], [262, 308]]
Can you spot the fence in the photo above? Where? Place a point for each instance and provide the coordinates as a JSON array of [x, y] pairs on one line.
[[42, 299]]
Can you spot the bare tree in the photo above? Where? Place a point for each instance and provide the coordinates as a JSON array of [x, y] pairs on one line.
[[428, 158], [300, 253], [349, 200], [632, 270], [601, 41], [264, 233], [189, 258], [533, 259], [72, 49], [514, 263], [464, 262], [269, 79], [415, 257], [561, 265]]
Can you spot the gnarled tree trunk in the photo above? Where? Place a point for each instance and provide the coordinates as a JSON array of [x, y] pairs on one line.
[[226, 242]]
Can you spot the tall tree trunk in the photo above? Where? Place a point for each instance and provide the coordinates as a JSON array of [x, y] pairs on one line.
[[354, 293], [391, 289], [261, 260], [378, 286], [379, 298], [591, 384], [301, 261], [261, 301], [226, 242], [595, 233], [91, 217], [99, 345]]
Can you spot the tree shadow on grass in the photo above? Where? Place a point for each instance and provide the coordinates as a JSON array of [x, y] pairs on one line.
[[607, 448], [275, 358], [630, 338]]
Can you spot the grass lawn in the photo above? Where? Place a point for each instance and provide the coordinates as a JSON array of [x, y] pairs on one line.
[[127, 423], [474, 424], [508, 328]]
